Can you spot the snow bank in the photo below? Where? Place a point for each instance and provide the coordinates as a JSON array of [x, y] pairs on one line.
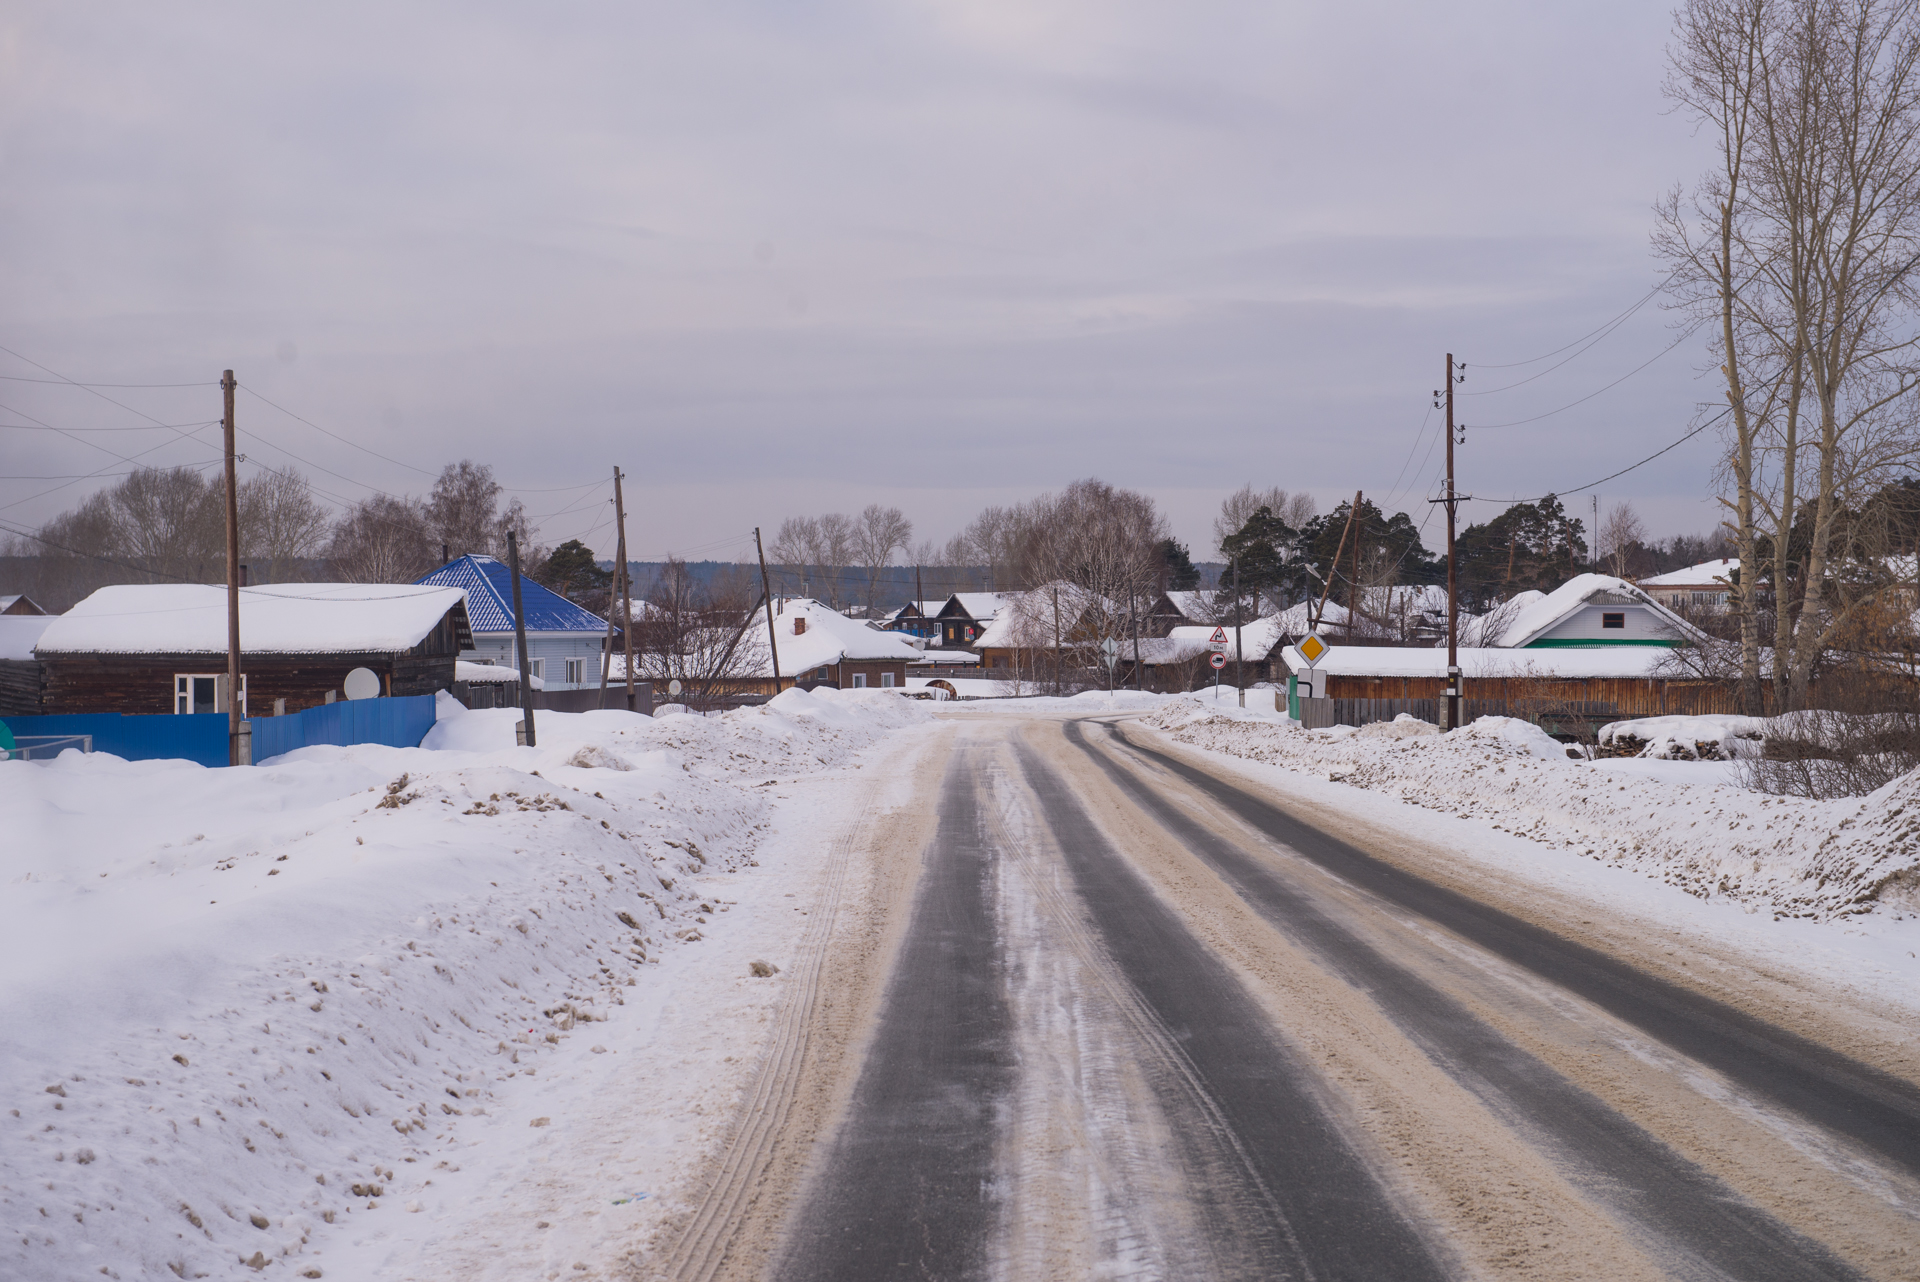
[[1708, 738], [1685, 825], [251, 1009]]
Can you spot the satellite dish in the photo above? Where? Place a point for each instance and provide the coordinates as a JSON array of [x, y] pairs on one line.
[[673, 689], [362, 683]]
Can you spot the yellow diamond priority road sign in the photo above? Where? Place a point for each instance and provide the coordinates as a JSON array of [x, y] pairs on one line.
[[1313, 649]]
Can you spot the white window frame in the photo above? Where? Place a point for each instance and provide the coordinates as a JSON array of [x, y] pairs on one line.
[[539, 667], [183, 690], [859, 680], [886, 680], [576, 671]]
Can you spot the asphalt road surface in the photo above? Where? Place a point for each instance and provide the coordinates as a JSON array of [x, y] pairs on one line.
[[1130, 1016]]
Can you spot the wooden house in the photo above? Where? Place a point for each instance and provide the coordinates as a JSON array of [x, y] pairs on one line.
[[966, 616], [20, 604], [1030, 626], [916, 619], [162, 648], [1702, 587], [564, 641]]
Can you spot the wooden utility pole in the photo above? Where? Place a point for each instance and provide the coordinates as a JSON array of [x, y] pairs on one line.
[[1239, 656], [1139, 673], [625, 581], [1056, 641], [1353, 581], [766, 592], [1453, 501], [236, 753], [520, 639], [1333, 567]]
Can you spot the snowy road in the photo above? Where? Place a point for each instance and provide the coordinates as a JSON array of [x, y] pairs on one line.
[[1102, 1009]]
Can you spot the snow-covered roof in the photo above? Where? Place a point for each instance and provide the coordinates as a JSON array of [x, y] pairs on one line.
[[1025, 620], [275, 618], [927, 609], [1155, 651], [492, 674], [946, 658], [1534, 619], [489, 587], [18, 632], [20, 603], [1628, 661], [1193, 604], [1705, 574], [1257, 636], [980, 606], [829, 638]]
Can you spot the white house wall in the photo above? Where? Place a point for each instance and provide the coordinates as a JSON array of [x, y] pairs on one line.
[[1585, 625], [552, 647]]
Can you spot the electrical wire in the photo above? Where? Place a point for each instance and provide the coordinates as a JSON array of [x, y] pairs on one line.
[[1590, 333], [1522, 422], [1623, 471], [1493, 391]]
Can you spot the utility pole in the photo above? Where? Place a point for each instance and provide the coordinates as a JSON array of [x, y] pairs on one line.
[[626, 582], [1593, 536], [520, 641], [238, 754], [1333, 566], [1239, 656], [1139, 673], [919, 605], [766, 591], [1353, 582], [1453, 501], [1056, 641]]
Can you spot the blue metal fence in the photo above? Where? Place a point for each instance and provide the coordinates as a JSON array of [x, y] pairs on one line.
[[202, 737], [198, 736], [399, 723]]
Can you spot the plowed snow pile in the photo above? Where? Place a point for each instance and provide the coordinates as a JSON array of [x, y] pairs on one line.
[[246, 1008], [1792, 856]]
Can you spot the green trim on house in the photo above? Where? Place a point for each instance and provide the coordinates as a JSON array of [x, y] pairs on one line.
[[1581, 643]]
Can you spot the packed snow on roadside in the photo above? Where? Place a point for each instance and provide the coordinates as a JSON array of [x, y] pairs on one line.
[[1684, 823], [250, 1010]]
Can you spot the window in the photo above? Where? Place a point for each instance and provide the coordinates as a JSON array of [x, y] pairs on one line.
[[886, 680], [540, 668], [1613, 619], [576, 669], [193, 692], [859, 680]]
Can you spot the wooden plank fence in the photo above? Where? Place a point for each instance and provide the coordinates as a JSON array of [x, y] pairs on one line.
[[1554, 716]]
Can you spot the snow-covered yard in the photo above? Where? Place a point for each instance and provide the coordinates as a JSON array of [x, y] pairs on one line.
[[1685, 823], [256, 1015]]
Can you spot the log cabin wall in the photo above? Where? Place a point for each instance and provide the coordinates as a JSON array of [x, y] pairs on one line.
[[143, 684], [1631, 696], [20, 688]]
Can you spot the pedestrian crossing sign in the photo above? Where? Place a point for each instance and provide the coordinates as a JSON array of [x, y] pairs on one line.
[[1313, 649]]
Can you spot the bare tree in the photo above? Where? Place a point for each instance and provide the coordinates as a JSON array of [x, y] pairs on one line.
[[382, 539], [814, 552], [880, 532], [1797, 249], [171, 520], [1238, 507], [280, 520], [463, 510], [792, 550], [1619, 532], [710, 637]]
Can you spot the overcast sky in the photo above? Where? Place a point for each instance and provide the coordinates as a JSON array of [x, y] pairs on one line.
[[785, 258]]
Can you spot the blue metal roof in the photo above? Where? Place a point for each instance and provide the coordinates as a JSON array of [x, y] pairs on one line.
[[489, 585]]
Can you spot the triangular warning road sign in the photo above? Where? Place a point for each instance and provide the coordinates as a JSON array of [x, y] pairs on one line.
[[1219, 637]]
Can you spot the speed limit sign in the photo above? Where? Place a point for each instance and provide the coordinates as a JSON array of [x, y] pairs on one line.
[[1217, 659]]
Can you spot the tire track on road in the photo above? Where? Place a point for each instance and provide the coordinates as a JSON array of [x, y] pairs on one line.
[[1333, 1216], [1694, 1220]]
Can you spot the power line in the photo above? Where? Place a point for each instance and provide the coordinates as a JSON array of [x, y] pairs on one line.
[[1522, 422], [1492, 391], [68, 382], [1623, 471], [1590, 333]]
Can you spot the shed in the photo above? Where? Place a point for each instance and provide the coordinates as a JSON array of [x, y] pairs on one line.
[[564, 641], [162, 647], [20, 673]]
